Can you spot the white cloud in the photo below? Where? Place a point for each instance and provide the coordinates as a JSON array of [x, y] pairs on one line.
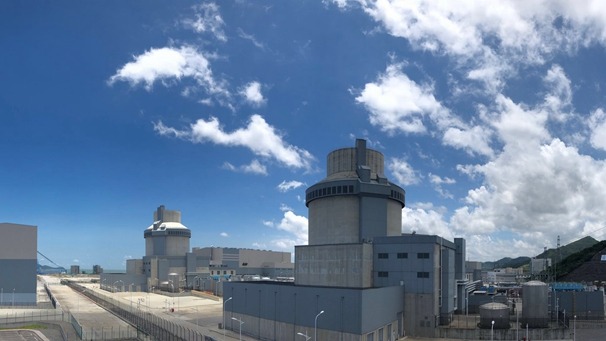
[[558, 101], [168, 64], [252, 94], [489, 43], [207, 20], [258, 136], [597, 125], [438, 181], [295, 225], [285, 208], [286, 186], [255, 167], [403, 172], [397, 103], [251, 38], [425, 219], [224, 234]]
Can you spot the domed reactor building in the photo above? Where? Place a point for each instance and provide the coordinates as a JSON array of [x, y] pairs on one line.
[[359, 278]]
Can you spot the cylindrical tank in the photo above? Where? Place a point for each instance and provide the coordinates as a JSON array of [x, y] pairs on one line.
[[535, 298], [497, 312]]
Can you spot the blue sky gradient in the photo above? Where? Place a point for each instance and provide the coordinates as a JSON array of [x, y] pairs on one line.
[[491, 117]]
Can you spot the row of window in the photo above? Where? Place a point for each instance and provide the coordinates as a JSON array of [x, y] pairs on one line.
[[420, 274], [212, 272], [402, 255], [349, 189], [397, 195]]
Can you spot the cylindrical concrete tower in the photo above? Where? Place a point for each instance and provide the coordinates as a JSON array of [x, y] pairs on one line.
[[166, 236], [355, 202]]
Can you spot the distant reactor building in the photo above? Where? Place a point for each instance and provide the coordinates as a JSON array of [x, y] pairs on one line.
[[169, 264]]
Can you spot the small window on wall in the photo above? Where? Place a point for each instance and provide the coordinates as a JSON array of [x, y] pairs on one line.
[[370, 337], [423, 274], [423, 255], [383, 255], [383, 274]]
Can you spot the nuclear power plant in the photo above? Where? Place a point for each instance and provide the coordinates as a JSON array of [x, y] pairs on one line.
[[359, 278], [169, 265]]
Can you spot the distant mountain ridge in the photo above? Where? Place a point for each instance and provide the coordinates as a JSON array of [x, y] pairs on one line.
[[564, 252]]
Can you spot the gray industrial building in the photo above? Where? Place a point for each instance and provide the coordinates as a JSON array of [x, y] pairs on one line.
[[359, 278], [169, 265], [18, 262]]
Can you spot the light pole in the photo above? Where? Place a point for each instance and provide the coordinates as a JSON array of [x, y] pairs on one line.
[[13, 297], [241, 323], [130, 288], [491, 330], [305, 336], [574, 328], [316, 325], [526, 331], [224, 316]]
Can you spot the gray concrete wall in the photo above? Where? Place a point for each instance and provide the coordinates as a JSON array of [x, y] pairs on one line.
[[334, 220], [341, 265]]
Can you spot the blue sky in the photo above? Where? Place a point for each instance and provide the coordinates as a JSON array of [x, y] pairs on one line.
[[491, 117]]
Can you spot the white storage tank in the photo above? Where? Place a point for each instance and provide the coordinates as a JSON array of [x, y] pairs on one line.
[[535, 298], [497, 312]]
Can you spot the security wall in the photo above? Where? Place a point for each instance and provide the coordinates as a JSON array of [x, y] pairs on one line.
[[18, 263]]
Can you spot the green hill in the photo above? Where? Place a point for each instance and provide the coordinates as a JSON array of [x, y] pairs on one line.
[[584, 265], [564, 252], [568, 249]]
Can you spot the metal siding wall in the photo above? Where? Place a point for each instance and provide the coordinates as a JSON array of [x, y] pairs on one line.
[[297, 305], [19, 274]]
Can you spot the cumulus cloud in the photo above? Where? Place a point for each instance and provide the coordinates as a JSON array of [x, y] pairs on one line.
[[258, 136], [295, 225], [489, 43], [597, 124], [252, 94], [398, 104], [255, 167], [224, 234], [425, 219], [286, 186], [535, 187], [207, 20], [403, 172], [170, 64], [438, 181]]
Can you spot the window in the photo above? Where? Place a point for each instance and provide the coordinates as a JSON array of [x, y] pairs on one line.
[[423, 255], [370, 337], [423, 274], [383, 274], [383, 255], [402, 255]]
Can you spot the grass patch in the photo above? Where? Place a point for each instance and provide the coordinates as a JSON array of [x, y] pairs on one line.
[[28, 326]]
